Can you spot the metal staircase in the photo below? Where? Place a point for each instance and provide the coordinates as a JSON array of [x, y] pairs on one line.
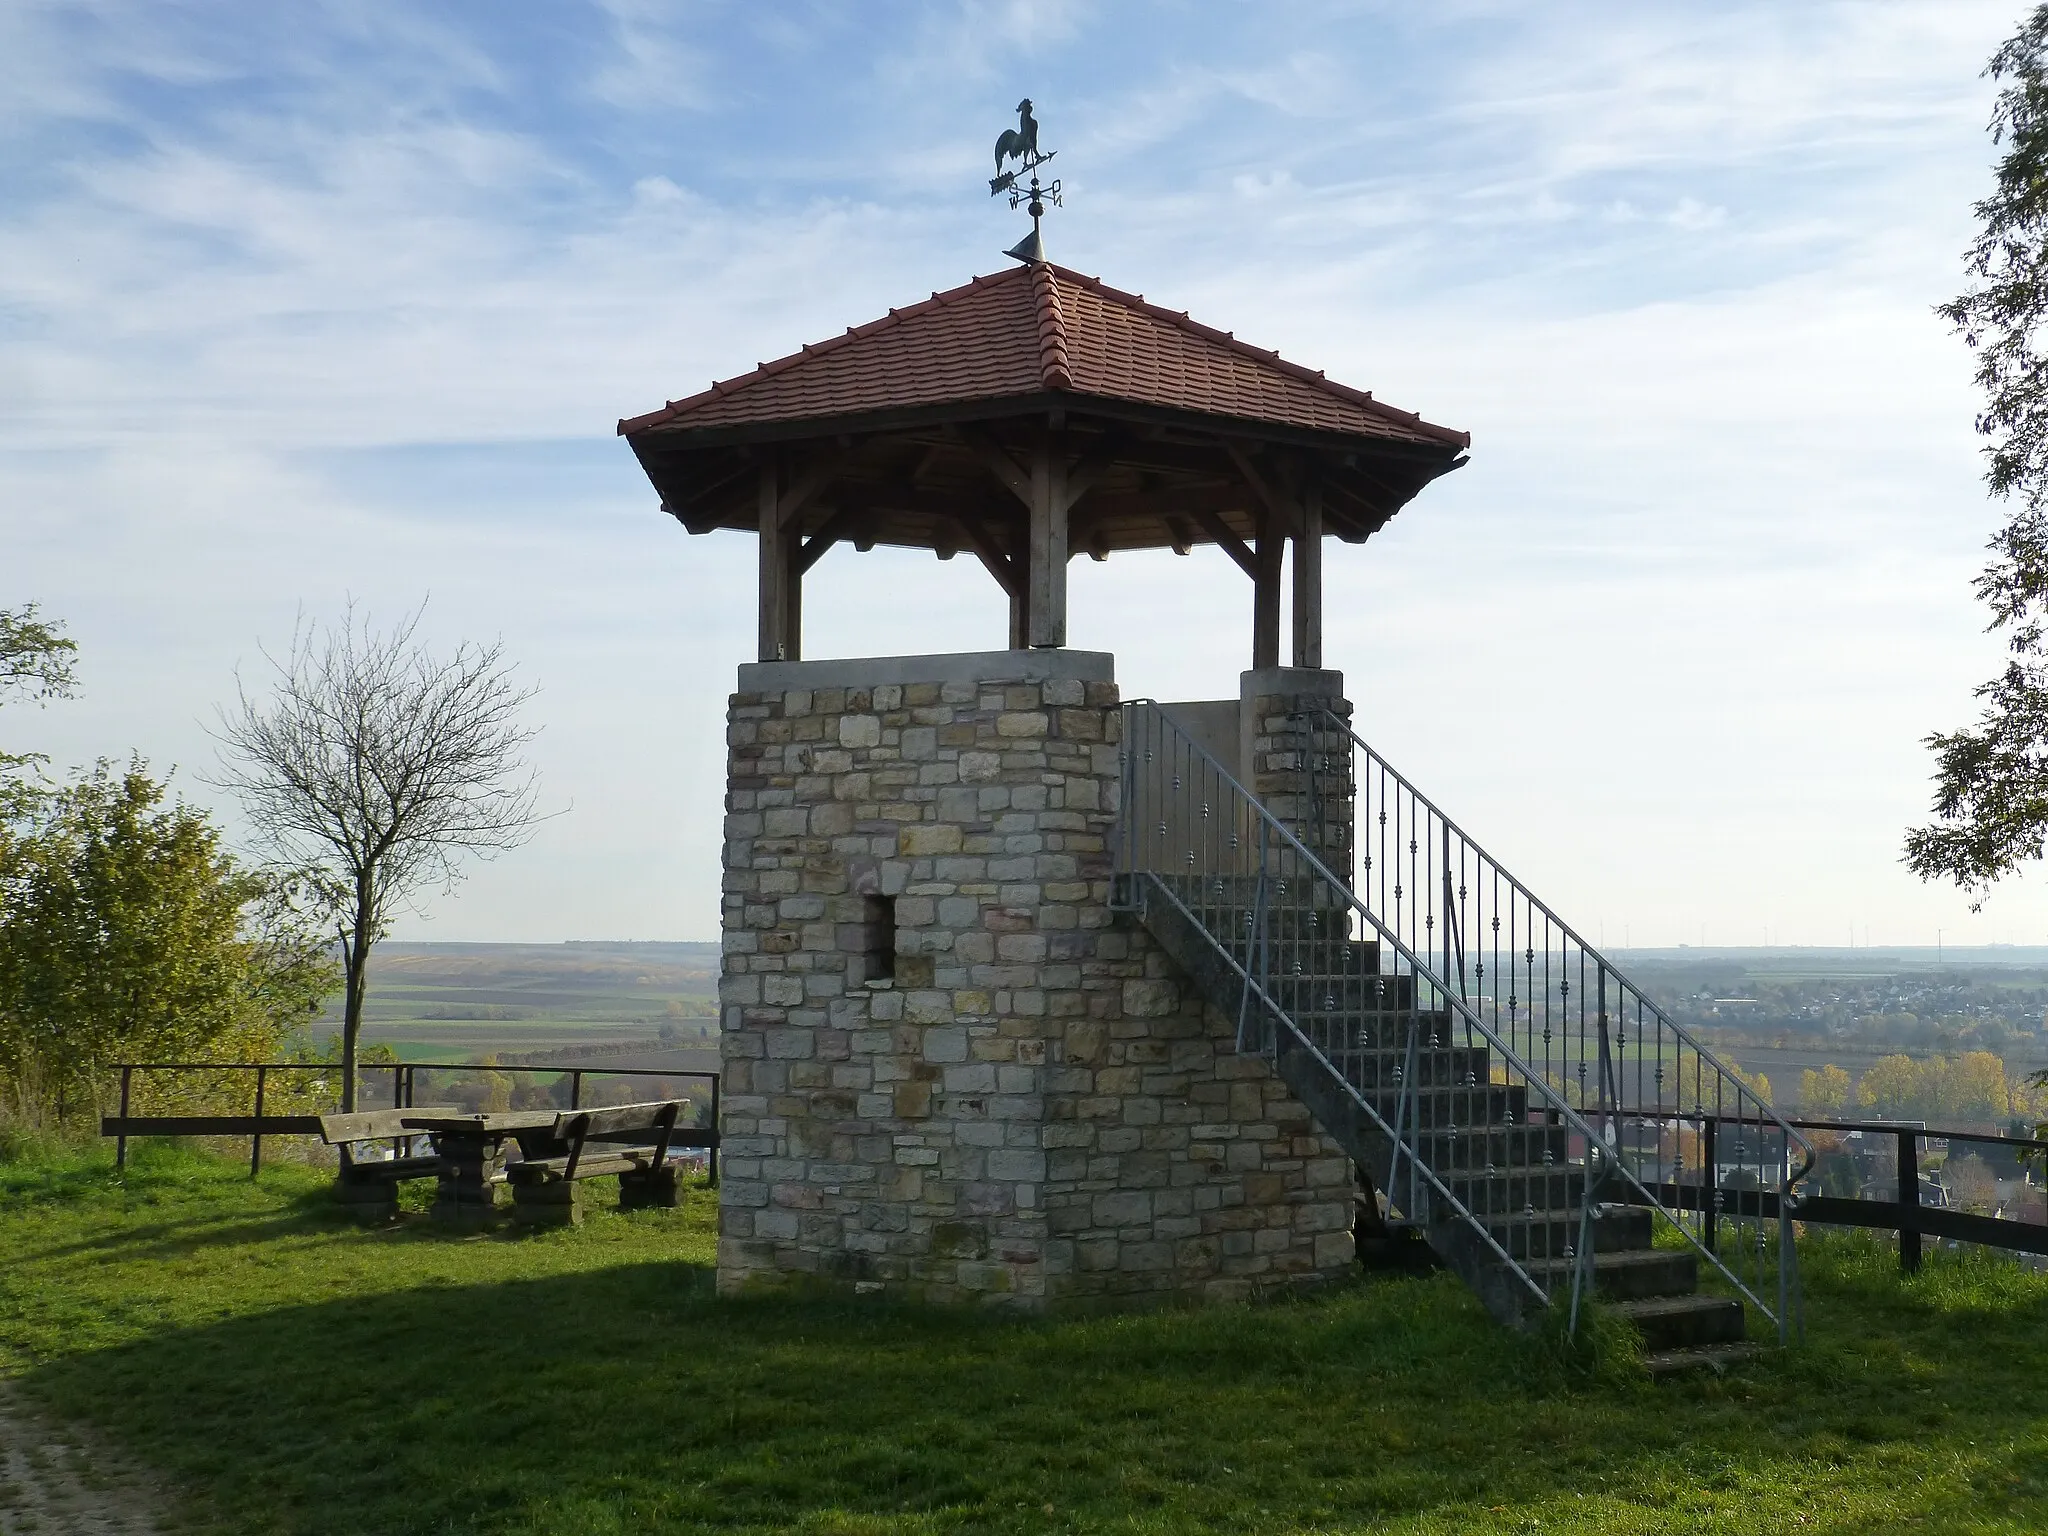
[[1509, 1096]]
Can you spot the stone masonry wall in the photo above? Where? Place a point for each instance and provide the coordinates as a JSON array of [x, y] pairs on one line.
[[1300, 767], [1032, 1110]]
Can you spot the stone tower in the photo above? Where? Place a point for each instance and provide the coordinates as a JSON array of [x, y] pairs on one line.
[[953, 1069]]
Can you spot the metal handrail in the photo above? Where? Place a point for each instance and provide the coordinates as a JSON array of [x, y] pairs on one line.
[[1443, 1191], [1457, 856], [1601, 1162]]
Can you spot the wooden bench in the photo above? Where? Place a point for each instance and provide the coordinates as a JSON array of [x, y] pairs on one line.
[[368, 1186], [631, 1140]]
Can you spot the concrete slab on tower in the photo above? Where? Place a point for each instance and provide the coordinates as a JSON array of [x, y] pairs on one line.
[[1041, 666]]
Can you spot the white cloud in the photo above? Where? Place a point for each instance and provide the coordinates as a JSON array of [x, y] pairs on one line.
[[653, 64], [1668, 643]]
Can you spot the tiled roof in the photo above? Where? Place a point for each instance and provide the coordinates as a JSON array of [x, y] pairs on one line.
[[1034, 329]]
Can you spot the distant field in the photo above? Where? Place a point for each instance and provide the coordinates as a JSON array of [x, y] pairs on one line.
[[452, 1002]]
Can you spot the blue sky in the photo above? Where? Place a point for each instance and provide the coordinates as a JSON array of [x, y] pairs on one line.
[[330, 300]]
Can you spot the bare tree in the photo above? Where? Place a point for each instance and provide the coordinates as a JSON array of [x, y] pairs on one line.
[[373, 769]]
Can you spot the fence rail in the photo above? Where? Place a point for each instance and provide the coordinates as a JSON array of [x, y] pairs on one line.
[[404, 1089], [1907, 1214]]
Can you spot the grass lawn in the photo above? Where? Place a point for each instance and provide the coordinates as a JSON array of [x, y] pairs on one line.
[[293, 1374]]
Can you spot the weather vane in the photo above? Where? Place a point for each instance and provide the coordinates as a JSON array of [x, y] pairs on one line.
[[1021, 144]]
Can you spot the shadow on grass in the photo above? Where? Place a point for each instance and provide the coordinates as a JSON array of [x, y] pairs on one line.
[[629, 1399]]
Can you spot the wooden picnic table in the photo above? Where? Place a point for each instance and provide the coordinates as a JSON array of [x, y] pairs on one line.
[[472, 1152]]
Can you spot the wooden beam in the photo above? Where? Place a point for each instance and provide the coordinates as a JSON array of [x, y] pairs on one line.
[[210, 1125], [886, 501], [1087, 472], [1046, 566], [1308, 580], [793, 602], [997, 461], [807, 485], [1354, 522], [1272, 542], [1001, 564], [776, 567], [836, 527], [1270, 497], [1227, 541], [997, 567]]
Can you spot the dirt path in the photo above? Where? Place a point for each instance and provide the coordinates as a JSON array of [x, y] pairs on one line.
[[54, 1482]]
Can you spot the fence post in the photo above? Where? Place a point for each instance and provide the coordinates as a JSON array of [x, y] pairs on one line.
[[1710, 1185], [1909, 1201], [401, 1079], [575, 1089], [121, 1141], [256, 1136]]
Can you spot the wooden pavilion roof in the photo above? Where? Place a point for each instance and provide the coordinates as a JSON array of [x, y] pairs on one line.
[[911, 430]]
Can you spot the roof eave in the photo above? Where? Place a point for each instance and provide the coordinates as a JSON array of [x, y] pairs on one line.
[[678, 438]]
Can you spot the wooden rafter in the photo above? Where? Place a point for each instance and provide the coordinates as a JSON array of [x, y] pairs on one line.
[[1269, 496], [1228, 542]]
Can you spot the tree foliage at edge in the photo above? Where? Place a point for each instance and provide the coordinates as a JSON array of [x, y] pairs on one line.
[[1991, 783]]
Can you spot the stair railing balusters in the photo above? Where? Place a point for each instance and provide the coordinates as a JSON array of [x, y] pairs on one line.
[[1286, 972], [1255, 946], [1610, 1095], [1582, 1262], [1592, 1036], [1454, 964]]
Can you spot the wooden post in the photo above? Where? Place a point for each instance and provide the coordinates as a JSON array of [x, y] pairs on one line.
[[1909, 1202], [121, 1141], [775, 570], [782, 565], [711, 1159], [1308, 580], [1045, 579], [1272, 543], [256, 1137], [792, 590]]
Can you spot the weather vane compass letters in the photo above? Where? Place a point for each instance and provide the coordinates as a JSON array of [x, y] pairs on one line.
[[1021, 145]]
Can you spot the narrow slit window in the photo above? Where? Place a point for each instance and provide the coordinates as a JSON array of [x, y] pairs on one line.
[[878, 919]]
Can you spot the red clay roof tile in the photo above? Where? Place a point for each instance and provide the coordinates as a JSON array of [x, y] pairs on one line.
[[1035, 329]]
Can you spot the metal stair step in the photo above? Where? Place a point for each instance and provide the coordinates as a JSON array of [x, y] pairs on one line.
[[1520, 1146], [1336, 989], [1515, 1178], [1353, 1034], [1705, 1357], [1530, 1191], [1496, 1104], [1684, 1322], [1548, 1234], [1623, 1228], [1437, 1067], [1630, 1275]]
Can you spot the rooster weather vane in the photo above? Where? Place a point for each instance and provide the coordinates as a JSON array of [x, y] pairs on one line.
[[1021, 145]]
